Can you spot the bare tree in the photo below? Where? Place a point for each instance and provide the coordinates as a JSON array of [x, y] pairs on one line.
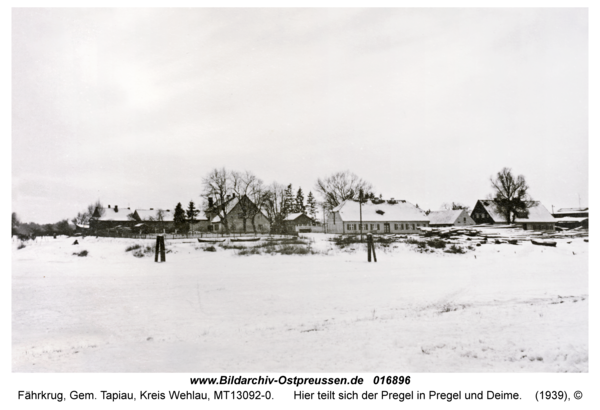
[[96, 205], [217, 187], [339, 187], [251, 194], [274, 205], [510, 195], [454, 206], [241, 184], [83, 218]]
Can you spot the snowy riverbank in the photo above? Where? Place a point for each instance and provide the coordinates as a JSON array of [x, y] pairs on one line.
[[499, 308]]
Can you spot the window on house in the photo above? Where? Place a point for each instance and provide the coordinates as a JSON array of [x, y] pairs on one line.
[[413, 226], [395, 227], [349, 227], [372, 226], [377, 226]]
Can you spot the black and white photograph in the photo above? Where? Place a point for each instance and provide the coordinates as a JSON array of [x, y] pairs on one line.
[[300, 190]]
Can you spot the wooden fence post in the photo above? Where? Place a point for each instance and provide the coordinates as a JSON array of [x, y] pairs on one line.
[[156, 249], [371, 247], [160, 248]]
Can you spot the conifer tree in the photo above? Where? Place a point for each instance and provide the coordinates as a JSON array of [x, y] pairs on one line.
[[191, 212], [300, 207], [179, 216], [288, 201], [311, 205]]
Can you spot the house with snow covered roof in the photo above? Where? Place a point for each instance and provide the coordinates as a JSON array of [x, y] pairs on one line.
[[451, 217], [112, 217], [297, 219], [536, 218], [377, 216], [573, 212], [241, 213], [151, 215], [572, 217], [154, 220]]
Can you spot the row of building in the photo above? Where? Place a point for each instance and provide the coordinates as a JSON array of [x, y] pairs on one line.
[[241, 213], [399, 216], [376, 216]]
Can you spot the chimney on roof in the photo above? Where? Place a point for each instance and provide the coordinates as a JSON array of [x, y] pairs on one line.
[[116, 208], [233, 195], [168, 210], [109, 207], [152, 209]]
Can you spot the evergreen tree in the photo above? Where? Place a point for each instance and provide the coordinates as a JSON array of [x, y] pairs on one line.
[[300, 201], [178, 216], [311, 205], [191, 212], [288, 201]]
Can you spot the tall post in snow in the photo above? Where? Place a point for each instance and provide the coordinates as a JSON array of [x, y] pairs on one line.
[[160, 248], [370, 248], [360, 198]]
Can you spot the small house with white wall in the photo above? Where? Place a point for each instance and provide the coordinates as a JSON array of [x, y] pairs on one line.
[[451, 217], [376, 216]]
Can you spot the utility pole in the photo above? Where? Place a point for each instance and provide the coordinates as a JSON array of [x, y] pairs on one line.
[[360, 198]]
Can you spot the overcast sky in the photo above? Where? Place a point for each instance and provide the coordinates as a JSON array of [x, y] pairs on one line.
[[134, 107]]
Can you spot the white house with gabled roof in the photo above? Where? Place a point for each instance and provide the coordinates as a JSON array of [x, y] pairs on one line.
[[378, 216], [450, 217]]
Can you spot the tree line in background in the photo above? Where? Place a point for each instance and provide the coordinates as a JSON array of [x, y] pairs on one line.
[[277, 201], [27, 230]]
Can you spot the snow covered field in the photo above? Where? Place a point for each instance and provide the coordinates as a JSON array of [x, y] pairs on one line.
[[499, 308]]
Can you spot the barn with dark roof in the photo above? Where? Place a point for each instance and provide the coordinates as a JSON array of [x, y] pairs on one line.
[[537, 217]]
